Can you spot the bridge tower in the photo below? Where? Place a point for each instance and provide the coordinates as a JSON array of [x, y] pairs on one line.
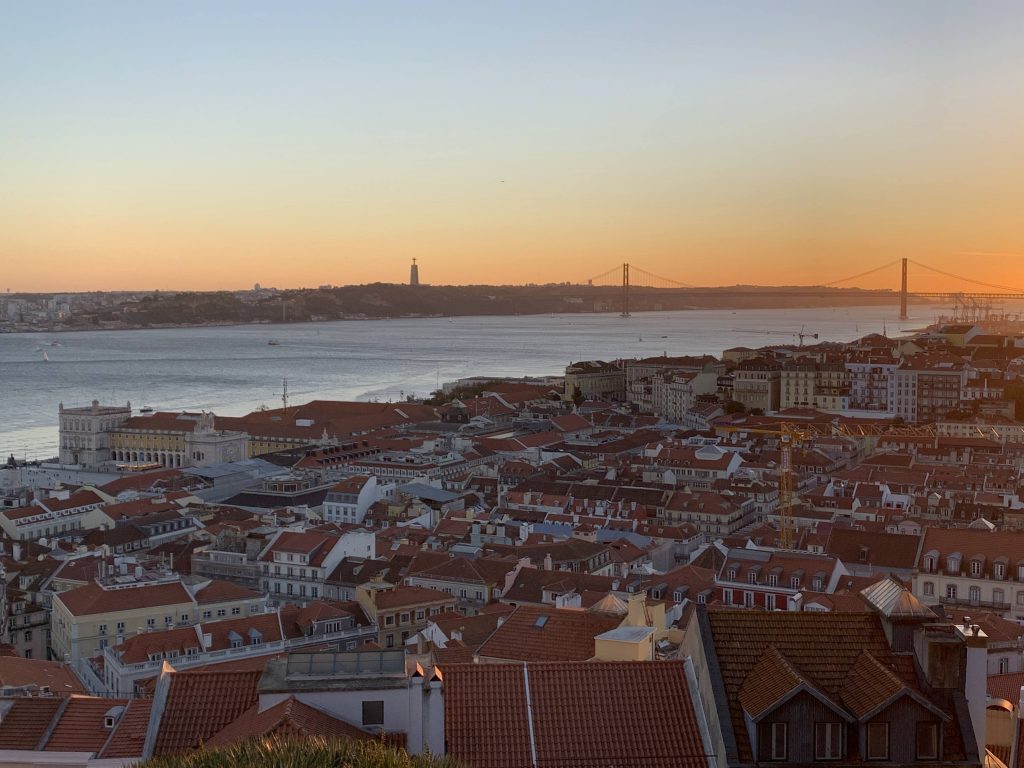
[[903, 292], [625, 290]]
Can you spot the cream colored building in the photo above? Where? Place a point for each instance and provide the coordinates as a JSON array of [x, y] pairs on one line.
[[85, 432], [88, 619]]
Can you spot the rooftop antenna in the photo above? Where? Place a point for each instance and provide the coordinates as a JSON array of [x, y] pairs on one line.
[[284, 393]]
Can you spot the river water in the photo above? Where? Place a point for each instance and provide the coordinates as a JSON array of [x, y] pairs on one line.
[[232, 369]]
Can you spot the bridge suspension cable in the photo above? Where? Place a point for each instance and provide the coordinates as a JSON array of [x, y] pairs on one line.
[[892, 263], [965, 279], [615, 272], [644, 273]]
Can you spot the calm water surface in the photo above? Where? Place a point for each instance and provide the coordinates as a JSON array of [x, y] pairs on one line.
[[232, 370]]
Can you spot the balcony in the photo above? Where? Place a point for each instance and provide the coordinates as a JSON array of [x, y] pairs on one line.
[[967, 602]]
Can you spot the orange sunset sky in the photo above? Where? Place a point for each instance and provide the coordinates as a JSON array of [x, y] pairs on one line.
[[215, 145]]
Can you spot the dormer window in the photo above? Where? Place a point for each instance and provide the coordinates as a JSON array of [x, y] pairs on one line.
[[1000, 570], [752, 577], [975, 567], [953, 564], [794, 582], [732, 574]]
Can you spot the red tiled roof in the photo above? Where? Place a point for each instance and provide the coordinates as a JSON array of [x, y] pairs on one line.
[[93, 599], [289, 718], [16, 672], [825, 649], [218, 591], [400, 597], [80, 728], [200, 704], [129, 734], [581, 715], [532, 633], [26, 722]]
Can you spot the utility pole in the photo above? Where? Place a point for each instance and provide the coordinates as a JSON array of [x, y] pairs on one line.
[[625, 290]]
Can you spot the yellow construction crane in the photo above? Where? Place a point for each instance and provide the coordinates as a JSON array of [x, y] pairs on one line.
[[792, 435]]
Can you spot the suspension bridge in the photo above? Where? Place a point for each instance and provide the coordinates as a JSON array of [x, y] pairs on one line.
[[631, 276]]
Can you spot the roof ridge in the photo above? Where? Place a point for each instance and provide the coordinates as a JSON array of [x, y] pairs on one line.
[[54, 721]]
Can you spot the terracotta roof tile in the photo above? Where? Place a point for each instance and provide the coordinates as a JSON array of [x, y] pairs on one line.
[[92, 598], [290, 718], [81, 728], [772, 678], [869, 685], [25, 723], [584, 715], [129, 734], [200, 704], [16, 672], [532, 633], [823, 647]]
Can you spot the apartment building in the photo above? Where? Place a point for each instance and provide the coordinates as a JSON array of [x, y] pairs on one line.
[[595, 380], [806, 383], [104, 612], [926, 387], [966, 568], [295, 564], [400, 611], [757, 383]]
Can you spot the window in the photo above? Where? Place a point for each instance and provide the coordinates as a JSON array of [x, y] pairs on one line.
[[420, 616], [727, 596], [168, 619], [1000, 570], [927, 741], [103, 628], [404, 618], [184, 617], [748, 599], [389, 621], [28, 635], [221, 612], [151, 622], [795, 582], [828, 741], [207, 614], [951, 591], [998, 596], [773, 580], [120, 626], [974, 594], [975, 567], [389, 641], [235, 611], [929, 589], [373, 713], [1004, 665], [769, 602], [777, 741]]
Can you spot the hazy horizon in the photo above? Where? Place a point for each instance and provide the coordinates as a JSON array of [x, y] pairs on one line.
[[201, 146]]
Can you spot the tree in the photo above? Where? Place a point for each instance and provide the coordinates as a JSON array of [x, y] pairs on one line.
[[307, 752], [577, 397], [735, 406]]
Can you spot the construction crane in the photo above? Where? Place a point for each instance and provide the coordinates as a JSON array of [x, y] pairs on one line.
[[801, 335], [793, 435]]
